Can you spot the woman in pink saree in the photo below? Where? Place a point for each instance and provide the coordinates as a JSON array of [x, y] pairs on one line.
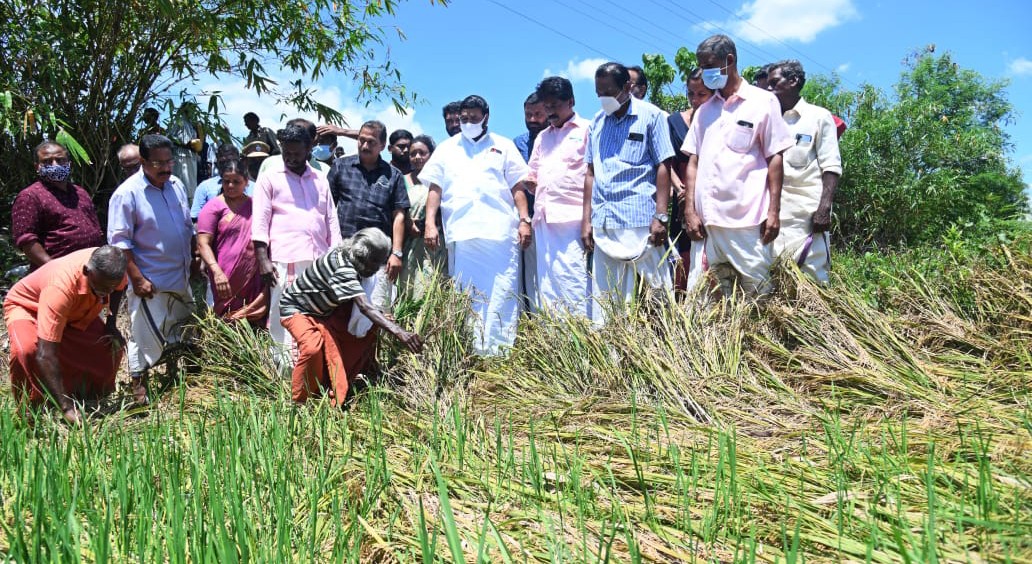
[[224, 242]]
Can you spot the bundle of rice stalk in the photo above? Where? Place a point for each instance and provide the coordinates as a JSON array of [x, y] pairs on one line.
[[237, 353]]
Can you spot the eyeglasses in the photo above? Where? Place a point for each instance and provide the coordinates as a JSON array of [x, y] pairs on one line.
[[160, 164]]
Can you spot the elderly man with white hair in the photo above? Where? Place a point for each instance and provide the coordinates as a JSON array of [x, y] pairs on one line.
[[321, 309]]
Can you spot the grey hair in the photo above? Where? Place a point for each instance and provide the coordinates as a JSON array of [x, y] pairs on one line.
[[719, 45], [126, 149], [791, 69], [109, 262], [368, 247]]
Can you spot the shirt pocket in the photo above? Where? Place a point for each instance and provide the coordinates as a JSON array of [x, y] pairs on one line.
[[741, 136], [633, 150], [798, 155]]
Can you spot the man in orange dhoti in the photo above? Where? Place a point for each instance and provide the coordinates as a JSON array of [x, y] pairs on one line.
[[323, 309], [60, 350]]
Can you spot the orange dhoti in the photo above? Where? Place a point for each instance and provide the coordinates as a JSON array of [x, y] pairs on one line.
[[88, 364], [328, 356]]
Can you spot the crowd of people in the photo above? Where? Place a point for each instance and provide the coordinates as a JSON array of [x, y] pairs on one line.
[[575, 216]]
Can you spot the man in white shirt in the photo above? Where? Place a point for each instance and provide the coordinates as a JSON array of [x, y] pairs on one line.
[[812, 170], [476, 180]]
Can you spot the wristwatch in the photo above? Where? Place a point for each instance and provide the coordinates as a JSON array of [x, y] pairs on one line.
[[526, 220], [661, 217], [398, 254]]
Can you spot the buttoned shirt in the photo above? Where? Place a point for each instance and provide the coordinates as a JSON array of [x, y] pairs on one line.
[[733, 139], [476, 181], [557, 166], [56, 296], [366, 198], [814, 152], [625, 153], [154, 223], [209, 190], [294, 215], [524, 145], [62, 221]]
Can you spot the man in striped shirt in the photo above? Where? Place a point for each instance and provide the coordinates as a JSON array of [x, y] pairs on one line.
[[626, 192], [318, 308]]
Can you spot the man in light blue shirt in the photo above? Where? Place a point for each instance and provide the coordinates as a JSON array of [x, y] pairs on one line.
[[626, 192], [210, 188], [149, 220]]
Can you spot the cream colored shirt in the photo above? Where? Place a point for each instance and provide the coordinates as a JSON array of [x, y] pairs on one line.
[[814, 151]]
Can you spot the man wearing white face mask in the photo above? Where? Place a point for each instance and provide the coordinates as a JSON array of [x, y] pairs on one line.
[[476, 179], [735, 174], [626, 193]]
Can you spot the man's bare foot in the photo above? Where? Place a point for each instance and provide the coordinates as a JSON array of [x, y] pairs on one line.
[[140, 391]]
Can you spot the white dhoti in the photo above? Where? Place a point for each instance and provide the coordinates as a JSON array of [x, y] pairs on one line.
[[155, 324], [285, 352], [562, 268], [490, 272], [622, 256], [810, 251], [738, 256]]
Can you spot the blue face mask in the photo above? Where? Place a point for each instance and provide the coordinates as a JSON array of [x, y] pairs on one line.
[[55, 172], [322, 152], [713, 79]]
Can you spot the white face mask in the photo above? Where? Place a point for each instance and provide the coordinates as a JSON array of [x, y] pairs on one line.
[[713, 79], [472, 130], [609, 104]]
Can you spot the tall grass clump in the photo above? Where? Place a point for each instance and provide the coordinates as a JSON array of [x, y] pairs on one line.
[[815, 426]]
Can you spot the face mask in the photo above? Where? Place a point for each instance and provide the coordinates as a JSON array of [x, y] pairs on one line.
[[713, 79], [322, 152], [609, 104], [472, 130], [55, 172]]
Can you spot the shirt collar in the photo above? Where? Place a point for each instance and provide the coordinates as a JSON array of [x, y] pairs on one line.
[[798, 109], [574, 121]]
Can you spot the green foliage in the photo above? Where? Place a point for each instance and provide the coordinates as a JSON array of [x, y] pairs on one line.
[[930, 157], [666, 83], [933, 158], [84, 70]]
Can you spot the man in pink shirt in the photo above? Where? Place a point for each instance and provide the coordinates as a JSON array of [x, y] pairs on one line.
[[294, 222], [557, 171], [735, 173]]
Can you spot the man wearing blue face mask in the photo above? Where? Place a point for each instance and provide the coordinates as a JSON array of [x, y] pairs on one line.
[[53, 217], [626, 193], [735, 173], [369, 192]]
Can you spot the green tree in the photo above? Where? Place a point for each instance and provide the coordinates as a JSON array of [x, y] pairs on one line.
[[933, 159], [83, 70], [663, 91]]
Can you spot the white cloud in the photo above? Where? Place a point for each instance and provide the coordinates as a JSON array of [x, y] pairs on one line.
[[768, 21], [238, 100], [841, 69], [577, 70], [1020, 66]]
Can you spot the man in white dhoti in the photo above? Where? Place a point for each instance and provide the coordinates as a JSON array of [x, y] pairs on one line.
[[626, 193], [557, 171], [812, 170], [476, 179], [149, 219], [734, 177], [293, 223]]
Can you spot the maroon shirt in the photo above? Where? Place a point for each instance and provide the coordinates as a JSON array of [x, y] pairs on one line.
[[63, 221]]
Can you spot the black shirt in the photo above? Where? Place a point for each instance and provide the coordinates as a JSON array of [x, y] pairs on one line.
[[366, 198]]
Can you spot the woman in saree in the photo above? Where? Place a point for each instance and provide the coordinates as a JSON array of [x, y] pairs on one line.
[[224, 242], [419, 263]]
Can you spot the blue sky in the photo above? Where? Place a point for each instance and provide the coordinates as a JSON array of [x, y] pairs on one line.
[[500, 49]]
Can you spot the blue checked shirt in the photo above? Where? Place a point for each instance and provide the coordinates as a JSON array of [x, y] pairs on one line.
[[625, 153]]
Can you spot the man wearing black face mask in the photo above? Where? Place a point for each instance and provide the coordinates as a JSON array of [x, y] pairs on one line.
[[53, 217]]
